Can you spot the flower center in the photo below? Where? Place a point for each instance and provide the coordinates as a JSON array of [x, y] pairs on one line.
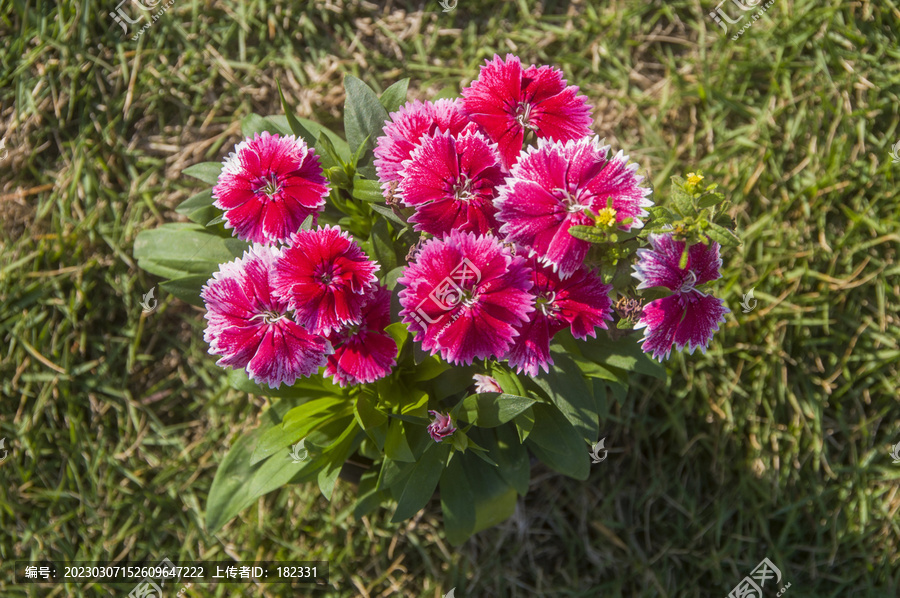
[[463, 190], [572, 204], [523, 116], [688, 284], [270, 317], [325, 274], [544, 302], [270, 185]]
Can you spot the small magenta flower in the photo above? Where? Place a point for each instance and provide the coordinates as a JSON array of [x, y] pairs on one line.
[[252, 329], [268, 186], [406, 128], [325, 278], [553, 185], [441, 427], [687, 318], [364, 352], [507, 100], [580, 302], [485, 383], [451, 182], [464, 296]]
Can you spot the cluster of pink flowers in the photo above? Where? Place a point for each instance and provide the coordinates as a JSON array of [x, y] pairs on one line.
[[501, 275], [283, 312], [495, 181]]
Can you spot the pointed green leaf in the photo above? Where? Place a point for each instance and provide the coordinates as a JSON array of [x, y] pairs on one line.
[[422, 481], [396, 446], [489, 410], [298, 423], [722, 236], [394, 96], [364, 116], [367, 190], [208, 172], [296, 127], [187, 288], [592, 234], [199, 208], [557, 443], [457, 501]]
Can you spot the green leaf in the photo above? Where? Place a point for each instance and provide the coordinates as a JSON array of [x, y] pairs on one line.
[[512, 459], [567, 389], [298, 423], [508, 381], [369, 496], [624, 353], [367, 414], [524, 424], [187, 288], [495, 500], [422, 481], [430, 368], [708, 200], [364, 116], [367, 190], [199, 208], [399, 332], [253, 124], [237, 483], [328, 154], [722, 236], [383, 245], [296, 127], [208, 172], [457, 501], [390, 279], [557, 443], [396, 446], [455, 380], [335, 457], [175, 250], [489, 410], [394, 96], [593, 234], [388, 213], [681, 199]]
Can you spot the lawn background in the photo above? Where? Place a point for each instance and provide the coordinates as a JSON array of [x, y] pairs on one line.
[[773, 444]]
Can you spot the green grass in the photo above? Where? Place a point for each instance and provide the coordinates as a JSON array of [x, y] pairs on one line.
[[774, 444]]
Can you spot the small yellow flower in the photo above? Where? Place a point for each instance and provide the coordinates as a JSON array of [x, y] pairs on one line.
[[694, 179], [605, 217]]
